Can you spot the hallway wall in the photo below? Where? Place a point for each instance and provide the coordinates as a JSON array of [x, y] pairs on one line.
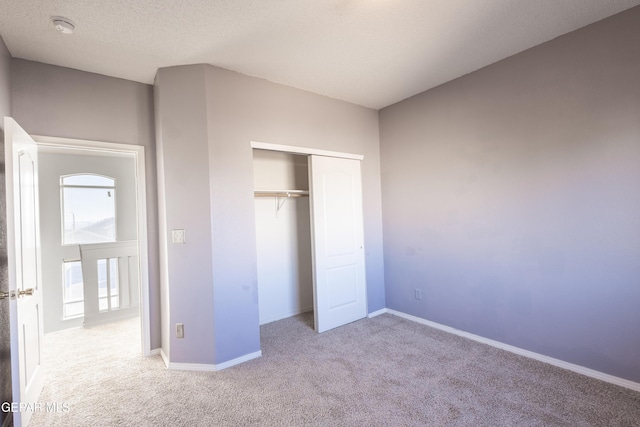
[[55, 101]]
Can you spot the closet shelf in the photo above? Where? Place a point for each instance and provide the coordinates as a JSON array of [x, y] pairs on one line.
[[281, 193]]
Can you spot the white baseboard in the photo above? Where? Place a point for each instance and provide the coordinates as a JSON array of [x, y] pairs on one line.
[[522, 352], [238, 360], [208, 367], [155, 352], [377, 313], [191, 367]]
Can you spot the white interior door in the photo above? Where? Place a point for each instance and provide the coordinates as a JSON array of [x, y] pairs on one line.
[[23, 253], [337, 241]]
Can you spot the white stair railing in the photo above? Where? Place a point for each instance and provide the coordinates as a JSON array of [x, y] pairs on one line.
[[111, 281]]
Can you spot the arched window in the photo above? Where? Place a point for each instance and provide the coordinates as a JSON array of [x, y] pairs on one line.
[[88, 209]]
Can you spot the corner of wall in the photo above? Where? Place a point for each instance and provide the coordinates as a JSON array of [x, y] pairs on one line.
[[184, 203], [165, 317]]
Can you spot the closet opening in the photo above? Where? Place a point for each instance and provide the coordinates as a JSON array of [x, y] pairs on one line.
[[309, 235], [283, 234]]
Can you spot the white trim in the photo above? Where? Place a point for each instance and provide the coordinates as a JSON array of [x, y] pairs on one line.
[[377, 313], [84, 144], [165, 358], [303, 150], [156, 352], [238, 360], [522, 352], [141, 195], [191, 367], [209, 367], [99, 247]]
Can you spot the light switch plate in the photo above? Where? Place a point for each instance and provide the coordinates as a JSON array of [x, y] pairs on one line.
[[178, 236]]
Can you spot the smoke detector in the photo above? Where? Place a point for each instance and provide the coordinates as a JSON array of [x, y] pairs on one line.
[[63, 25]]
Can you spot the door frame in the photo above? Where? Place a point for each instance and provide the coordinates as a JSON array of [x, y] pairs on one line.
[[141, 212], [301, 150], [256, 145]]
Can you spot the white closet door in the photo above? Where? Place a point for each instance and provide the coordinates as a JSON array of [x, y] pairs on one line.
[[337, 241]]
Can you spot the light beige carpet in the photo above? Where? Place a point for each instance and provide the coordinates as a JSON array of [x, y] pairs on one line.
[[384, 371]]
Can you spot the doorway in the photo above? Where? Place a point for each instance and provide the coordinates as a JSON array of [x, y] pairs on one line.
[[309, 232], [283, 235], [24, 255], [126, 163]]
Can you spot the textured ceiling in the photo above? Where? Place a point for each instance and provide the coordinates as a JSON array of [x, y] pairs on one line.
[[369, 52]]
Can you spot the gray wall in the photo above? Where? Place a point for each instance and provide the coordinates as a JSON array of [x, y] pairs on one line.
[[243, 109], [51, 166], [5, 344], [511, 197], [206, 118], [183, 182], [56, 101]]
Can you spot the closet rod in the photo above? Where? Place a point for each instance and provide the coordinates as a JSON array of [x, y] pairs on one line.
[[281, 197], [280, 194]]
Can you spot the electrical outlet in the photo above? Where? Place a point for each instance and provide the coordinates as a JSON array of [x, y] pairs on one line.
[[418, 294], [179, 330], [178, 236]]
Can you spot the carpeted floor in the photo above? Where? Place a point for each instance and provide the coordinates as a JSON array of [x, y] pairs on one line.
[[384, 371]]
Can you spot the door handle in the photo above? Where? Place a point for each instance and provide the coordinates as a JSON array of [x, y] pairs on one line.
[[25, 292]]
